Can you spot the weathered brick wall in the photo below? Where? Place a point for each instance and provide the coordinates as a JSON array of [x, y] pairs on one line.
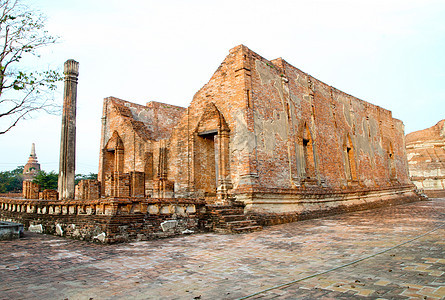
[[122, 184], [87, 189], [30, 190], [332, 118], [137, 128], [49, 194], [426, 158], [137, 184]]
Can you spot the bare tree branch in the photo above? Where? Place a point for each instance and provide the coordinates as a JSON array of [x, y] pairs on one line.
[[21, 91]]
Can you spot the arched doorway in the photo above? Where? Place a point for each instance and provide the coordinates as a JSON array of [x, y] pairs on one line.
[[211, 155], [113, 163], [391, 163]]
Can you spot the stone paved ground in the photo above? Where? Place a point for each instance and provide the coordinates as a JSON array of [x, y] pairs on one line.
[[213, 266]]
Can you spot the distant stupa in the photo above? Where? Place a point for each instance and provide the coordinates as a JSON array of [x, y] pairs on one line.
[[32, 167]]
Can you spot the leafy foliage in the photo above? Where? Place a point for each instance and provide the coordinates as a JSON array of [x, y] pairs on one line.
[[80, 177], [22, 34], [47, 180], [11, 181]]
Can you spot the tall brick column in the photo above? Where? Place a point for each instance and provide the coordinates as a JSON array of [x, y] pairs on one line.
[[67, 161]]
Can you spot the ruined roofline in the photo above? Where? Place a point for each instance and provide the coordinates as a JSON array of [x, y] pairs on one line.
[[150, 104], [424, 134], [120, 107], [145, 129], [158, 104], [122, 102], [279, 63]]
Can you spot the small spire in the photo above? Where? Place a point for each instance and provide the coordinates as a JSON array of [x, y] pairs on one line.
[[32, 167], [33, 150]]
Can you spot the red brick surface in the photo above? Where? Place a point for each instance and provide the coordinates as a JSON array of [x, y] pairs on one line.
[[30, 190]]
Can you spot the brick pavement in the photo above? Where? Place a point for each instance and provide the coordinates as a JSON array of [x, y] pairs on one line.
[[213, 266]]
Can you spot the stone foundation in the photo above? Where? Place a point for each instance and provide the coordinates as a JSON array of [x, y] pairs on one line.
[[268, 219], [284, 207], [316, 200]]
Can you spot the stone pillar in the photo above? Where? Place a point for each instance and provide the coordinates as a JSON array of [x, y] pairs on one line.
[[67, 161]]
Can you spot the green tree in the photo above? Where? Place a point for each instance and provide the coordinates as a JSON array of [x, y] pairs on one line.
[[11, 181], [22, 34], [47, 180], [80, 177]]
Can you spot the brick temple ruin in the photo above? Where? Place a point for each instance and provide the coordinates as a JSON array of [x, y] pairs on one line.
[[426, 159], [261, 143]]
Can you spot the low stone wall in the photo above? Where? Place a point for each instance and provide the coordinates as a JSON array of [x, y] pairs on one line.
[[106, 220]]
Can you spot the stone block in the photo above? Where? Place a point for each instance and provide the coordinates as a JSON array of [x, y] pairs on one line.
[[100, 237], [36, 228], [191, 209], [89, 210], [169, 225], [59, 230], [166, 209], [180, 210], [153, 209]]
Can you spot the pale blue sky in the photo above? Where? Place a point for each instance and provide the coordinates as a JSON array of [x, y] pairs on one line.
[[389, 53]]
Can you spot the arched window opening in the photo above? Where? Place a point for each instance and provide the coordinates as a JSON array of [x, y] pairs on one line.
[[391, 163], [113, 164], [149, 173], [351, 169], [308, 154], [206, 163], [148, 166], [114, 155]]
